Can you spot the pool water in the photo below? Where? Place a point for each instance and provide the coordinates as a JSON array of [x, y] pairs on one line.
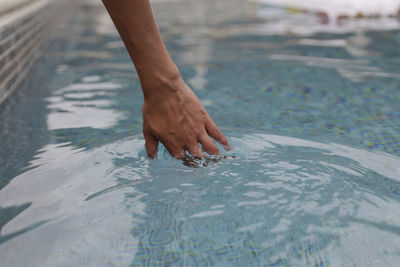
[[311, 109]]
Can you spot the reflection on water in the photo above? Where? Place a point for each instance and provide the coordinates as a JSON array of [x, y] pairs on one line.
[[89, 106], [313, 180], [280, 200]]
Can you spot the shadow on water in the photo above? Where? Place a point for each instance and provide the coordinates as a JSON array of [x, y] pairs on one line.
[[395, 229], [9, 213]]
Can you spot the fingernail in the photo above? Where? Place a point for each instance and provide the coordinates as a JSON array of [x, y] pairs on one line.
[[227, 148]]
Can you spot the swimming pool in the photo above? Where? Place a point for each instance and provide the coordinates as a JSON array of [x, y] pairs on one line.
[[311, 109]]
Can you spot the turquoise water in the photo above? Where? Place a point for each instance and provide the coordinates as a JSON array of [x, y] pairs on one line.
[[311, 110]]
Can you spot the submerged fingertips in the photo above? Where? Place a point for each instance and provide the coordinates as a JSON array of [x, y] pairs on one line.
[[196, 151], [151, 145]]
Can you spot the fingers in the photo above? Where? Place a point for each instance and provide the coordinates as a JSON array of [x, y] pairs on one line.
[[176, 146], [151, 144], [216, 133], [177, 152], [196, 151], [174, 149], [208, 145]]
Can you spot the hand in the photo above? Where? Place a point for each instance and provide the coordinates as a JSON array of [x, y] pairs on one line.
[[175, 117], [172, 114]]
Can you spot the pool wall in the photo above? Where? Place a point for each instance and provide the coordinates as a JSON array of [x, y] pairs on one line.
[[24, 33]]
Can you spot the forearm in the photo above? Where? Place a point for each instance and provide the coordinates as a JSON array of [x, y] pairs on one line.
[[135, 23], [172, 114]]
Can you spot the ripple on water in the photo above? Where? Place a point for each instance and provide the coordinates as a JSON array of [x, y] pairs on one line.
[[273, 199], [278, 200]]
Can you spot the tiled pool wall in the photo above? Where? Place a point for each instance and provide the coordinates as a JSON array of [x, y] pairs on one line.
[[24, 33]]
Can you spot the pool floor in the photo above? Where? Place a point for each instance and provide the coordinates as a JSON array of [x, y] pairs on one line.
[[311, 109]]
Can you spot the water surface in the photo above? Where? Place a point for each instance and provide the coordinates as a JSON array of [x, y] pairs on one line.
[[311, 109]]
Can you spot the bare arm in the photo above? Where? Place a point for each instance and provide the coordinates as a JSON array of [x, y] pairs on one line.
[[172, 114]]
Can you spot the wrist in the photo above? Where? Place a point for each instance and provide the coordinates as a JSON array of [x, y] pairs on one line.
[[160, 82]]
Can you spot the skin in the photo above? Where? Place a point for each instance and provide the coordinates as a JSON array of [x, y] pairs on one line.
[[172, 114]]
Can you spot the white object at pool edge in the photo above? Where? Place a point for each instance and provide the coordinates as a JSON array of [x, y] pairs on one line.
[[336, 8]]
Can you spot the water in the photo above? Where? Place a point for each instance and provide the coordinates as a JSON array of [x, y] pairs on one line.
[[311, 110]]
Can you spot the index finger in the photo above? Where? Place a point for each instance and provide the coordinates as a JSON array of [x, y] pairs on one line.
[[215, 132]]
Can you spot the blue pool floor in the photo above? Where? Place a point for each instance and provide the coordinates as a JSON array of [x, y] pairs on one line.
[[312, 112]]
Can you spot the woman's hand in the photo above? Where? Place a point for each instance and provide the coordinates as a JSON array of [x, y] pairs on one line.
[[172, 114], [175, 117]]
